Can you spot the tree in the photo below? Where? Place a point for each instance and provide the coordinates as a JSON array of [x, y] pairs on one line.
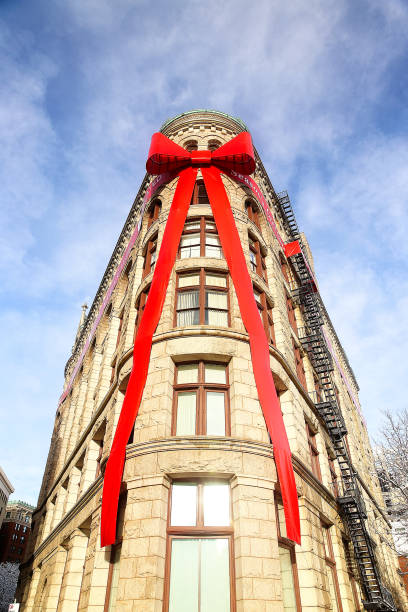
[[391, 457], [8, 582]]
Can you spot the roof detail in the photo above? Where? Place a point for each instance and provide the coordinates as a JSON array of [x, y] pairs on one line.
[[205, 110]]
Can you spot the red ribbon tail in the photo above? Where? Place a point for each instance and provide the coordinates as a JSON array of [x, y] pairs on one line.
[[268, 398], [141, 352]]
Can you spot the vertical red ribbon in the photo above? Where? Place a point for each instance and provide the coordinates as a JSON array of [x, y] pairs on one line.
[[259, 346]]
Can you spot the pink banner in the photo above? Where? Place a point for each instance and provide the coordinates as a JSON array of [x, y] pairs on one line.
[[343, 375], [249, 182], [153, 187]]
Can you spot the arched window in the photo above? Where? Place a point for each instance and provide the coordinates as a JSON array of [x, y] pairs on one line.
[[154, 212], [200, 195], [213, 145], [252, 212], [191, 145]]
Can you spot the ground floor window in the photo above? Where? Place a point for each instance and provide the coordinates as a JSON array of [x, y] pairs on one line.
[[199, 574]]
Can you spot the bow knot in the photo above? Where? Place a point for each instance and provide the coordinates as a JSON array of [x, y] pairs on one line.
[[167, 156]]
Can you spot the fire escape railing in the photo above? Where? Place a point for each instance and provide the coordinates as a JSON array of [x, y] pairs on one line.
[[350, 499]]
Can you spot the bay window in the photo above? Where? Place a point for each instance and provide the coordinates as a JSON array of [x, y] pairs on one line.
[[201, 400], [140, 305], [200, 560], [200, 239], [202, 298]]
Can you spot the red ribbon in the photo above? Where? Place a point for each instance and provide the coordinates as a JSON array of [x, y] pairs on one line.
[[165, 156]]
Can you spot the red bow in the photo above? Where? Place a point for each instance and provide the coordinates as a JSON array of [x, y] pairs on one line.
[[166, 156]]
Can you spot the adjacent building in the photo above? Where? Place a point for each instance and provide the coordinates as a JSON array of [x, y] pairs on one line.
[[201, 524], [6, 489], [15, 531]]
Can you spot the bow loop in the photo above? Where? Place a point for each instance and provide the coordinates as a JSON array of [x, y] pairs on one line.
[[167, 156]]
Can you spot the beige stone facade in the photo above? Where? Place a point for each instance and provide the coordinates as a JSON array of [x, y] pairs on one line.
[[67, 570]]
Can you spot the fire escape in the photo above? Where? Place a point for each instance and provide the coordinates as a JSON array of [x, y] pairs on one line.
[[350, 499]]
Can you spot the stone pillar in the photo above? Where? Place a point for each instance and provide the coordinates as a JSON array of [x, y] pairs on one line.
[[74, 569], [55, 580], [141, 574], [73, 489], [257, 565], [94, 599], [29, 604], [59, 506]]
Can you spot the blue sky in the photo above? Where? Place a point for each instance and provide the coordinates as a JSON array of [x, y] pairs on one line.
[[322, 87]]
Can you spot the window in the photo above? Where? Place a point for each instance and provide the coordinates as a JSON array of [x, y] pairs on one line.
[[200, 239], [291, 314], [140, 305], [200, 569], [256, 259], [288, 273], [150, 256], [113, 578], [25, 528], [314, 453], [252, 212], [154, 212], [14, 536], [287, 558], [122, 314], [333, 584], [22, 539], [300, 370], [333, 475], [202, 299], [265, 311], [8, 514], [191, 145], [201, 403], [200, 195], [114, 560], [213, 145], [16, 527], [351, 573]]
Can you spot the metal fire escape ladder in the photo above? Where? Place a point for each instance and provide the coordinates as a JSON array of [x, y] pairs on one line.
[[377, 597]]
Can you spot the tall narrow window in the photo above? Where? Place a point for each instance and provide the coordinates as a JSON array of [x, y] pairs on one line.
[[265, 311], [114, 560], [141, 303], [351, 570], [200, 568], [202, 299], [122, 314], [150, 256], [252, 212], [333, 474], [314, 453], [291, 313], [333, 583], [287, 558], [201, 403], [213, 145], [200, 195], [300, 370], [200, 239], [154, 212], [257, 260], [191, 145]]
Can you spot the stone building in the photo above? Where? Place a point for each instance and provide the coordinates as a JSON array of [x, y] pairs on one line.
[[200, 514], [15, 531], [6, 489]]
